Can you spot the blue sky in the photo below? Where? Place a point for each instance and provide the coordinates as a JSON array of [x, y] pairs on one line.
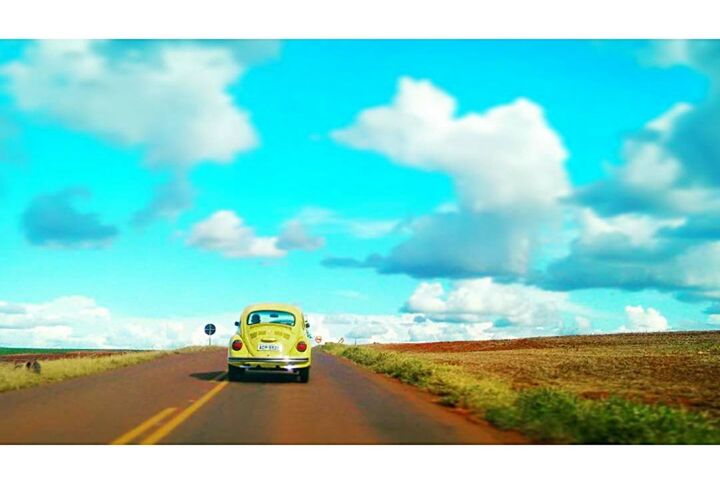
[[396, 190]]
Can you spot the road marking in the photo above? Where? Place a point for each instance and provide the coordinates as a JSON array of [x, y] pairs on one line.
[[174, 422], [143, 427]]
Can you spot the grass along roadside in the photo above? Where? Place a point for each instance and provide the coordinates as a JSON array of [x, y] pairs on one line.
[[14, 377], [543, 414], [22, 350]]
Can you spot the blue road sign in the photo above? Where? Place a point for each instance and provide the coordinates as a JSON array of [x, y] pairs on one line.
[[209, 329]]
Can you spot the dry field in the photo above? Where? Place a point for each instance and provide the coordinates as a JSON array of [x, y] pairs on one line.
[[43, 356], [679, 368]]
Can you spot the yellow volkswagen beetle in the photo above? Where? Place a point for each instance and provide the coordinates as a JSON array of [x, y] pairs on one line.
[[270, 336]]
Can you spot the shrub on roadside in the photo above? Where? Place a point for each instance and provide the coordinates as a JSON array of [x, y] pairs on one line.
[[542, 414], [12, 378]]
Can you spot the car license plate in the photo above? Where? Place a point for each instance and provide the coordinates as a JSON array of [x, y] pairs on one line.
[[269, 347]]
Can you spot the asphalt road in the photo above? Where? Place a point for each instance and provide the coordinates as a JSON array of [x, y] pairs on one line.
[[186, 399]]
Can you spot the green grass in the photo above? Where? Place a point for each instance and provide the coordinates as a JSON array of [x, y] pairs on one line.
[[17, 350], [12, 378], [541, 413]]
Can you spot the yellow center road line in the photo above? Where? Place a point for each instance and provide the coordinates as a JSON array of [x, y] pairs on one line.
[[174, 422], [143, 427]]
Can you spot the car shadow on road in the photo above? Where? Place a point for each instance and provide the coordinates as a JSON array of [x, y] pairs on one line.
[[251, 377], [207, 375]]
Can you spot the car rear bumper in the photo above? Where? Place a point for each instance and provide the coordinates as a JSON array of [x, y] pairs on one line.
[[271, 363]]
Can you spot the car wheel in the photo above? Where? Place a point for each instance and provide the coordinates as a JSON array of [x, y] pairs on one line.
[[235, 374], [304, 374]]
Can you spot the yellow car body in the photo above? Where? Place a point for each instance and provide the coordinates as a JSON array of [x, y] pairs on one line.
[[270, 336]]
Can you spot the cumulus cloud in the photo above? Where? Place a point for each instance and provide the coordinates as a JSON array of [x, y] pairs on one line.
[[76, 308], [641, 319], [63, 322], [654, 179], [169, 98], [464, 244], [508, 167], [494, 306], [426, 330], [470, 310], [455, 245], [367, 331], [172, 101], [689, 272], [52, 220], [11, 308], [654, 220], [621, 251], [505, 158], [226, 233], [434, 314], [672, 164], [694, 137], [361, 328], [78, 321]]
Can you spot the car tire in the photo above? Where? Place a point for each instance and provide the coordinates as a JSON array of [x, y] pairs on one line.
[[235, 374], [304, 374]]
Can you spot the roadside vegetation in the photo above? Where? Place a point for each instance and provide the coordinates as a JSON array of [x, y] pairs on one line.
[[617, 389], [15, 375], [17, 351]]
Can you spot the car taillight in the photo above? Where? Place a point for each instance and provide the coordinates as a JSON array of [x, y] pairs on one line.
[[237, 345], [301, 346]]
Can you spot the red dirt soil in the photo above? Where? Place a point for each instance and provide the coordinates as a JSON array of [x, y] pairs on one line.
[[574, 342]]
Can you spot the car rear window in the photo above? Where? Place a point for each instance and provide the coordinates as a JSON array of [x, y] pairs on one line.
[[271, 316]]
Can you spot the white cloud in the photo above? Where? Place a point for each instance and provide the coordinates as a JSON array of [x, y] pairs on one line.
[[466, 244], [653, 223], [638, 230], [654, 178], [169, 98], [173, 101], [427, 297], [75, 308], [506, 158], [70, 321], [363, 328], [79, 322], [368, 331], [483, 300], [432, 331], [644, 320], [226, 233], [7, 308], [508, 167], [698, 267]]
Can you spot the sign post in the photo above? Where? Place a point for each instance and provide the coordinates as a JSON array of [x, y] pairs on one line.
[[209, 331]]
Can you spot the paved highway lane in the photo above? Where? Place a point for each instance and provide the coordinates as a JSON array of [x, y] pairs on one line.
[[185, 399]]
